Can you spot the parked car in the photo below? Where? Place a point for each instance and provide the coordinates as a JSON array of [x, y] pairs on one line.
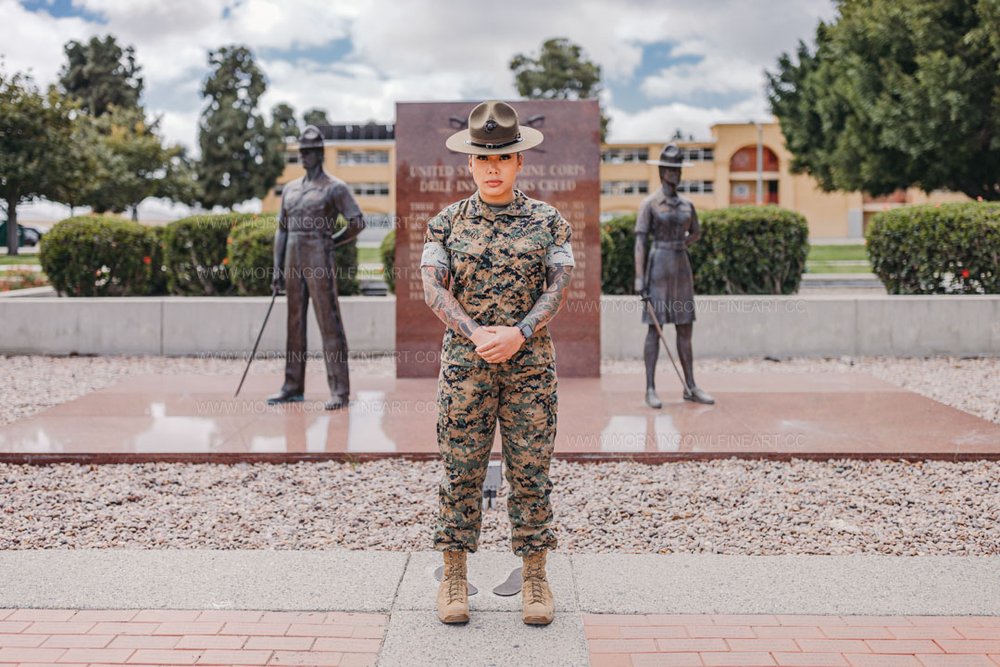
[[26, 236]]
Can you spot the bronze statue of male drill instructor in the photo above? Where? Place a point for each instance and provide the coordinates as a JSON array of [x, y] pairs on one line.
[[665, 274], [304, 268]]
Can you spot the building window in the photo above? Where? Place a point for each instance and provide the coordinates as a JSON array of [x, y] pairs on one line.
[[291, 158], [624, 155], [696, 187], [370, 189], [745, 159], [278, 190], [699, 154], [624, 187], [349, 158]]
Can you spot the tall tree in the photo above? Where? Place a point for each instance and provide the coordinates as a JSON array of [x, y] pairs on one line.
[[315, 117], [283, 120], [560, 71], [100, 73], [135, 164], [896, 95], [241, 155], [35, 129]]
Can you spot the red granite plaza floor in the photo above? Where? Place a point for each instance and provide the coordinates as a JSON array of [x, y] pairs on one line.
[[190, 417], [661, 640], [233, 637], [70, 637]]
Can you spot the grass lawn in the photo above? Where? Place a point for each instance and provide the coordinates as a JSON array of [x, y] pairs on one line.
[[826, 253], [838, 259], [369, 256], [19, 259]]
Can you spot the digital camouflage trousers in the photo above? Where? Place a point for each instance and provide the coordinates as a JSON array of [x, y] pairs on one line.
[[471, 400]]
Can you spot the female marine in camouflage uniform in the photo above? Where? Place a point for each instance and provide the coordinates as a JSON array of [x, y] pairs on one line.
[[495, 268]]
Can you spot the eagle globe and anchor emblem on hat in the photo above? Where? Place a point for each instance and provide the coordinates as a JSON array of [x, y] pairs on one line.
[[493, 129]]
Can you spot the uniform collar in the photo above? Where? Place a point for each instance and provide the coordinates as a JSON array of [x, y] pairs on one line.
[[661, 198], [518, 207]]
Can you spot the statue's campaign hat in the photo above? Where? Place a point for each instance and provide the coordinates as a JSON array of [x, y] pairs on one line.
[[670, 156], [494, 130], [311, 137]]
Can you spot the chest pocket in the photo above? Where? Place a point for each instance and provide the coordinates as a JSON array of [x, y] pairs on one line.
[[465, 252], [526, 250]]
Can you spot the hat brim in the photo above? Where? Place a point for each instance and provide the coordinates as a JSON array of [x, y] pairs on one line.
[[460, 142], [661, 163]]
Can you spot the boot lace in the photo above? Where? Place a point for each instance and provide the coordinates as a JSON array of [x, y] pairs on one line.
[[455, 585], [534, 576], [455, 576]]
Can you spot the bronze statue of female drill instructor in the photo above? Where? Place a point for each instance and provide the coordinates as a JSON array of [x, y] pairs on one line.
[[664, 274]]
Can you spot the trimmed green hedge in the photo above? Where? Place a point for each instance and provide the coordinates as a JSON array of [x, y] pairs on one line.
[[100, 256], [194, 252], [388, 251], [742, 250], [250, 258], [937, 248], [250, 251], [158, 271], [618, 255]]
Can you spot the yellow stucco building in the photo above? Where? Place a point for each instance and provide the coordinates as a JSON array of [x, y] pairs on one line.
[[718, 172]]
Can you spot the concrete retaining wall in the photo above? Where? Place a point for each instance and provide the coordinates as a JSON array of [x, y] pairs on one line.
[[725, 326]]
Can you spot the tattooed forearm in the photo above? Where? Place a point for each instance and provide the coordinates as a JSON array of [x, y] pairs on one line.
[[551, 300], [443, 302]]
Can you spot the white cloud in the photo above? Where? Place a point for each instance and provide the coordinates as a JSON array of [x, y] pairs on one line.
[[34, 42], [658, 123], [713, 74], [405, 50]]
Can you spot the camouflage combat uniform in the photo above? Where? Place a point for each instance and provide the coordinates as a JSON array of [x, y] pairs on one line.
[[497, 261]]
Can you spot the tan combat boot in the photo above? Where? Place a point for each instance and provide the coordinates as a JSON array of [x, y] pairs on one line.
[[453, 592], [536, 596]]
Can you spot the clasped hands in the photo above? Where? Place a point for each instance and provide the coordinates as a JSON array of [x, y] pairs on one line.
[[497, 344]]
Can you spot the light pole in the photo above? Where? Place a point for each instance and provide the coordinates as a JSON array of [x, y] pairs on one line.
[[760, 162]]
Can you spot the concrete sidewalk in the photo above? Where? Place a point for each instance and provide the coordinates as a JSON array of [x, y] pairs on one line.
[[402, 585]]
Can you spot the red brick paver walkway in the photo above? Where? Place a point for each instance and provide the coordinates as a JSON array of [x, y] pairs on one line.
[[69, 637], [662, 640]]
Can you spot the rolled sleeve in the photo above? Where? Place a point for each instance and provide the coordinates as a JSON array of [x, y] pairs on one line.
[[435, 253], [560, 252]]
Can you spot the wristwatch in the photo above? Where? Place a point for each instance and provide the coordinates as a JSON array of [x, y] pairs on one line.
[[525, 330]]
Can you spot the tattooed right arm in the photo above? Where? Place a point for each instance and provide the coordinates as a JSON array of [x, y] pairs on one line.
[[443, 302]]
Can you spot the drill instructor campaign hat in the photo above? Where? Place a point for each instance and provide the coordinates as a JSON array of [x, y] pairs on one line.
[[494, 130], [311, 137], [670, 156]]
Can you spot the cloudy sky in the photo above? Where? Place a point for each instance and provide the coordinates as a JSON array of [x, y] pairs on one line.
[[667, 64]]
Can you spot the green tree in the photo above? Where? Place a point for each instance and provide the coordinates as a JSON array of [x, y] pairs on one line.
[[241, 155], [896, 95], [100, 73], [35, 129], [315, 117], [283, 121], [133, 163], [560, 72]]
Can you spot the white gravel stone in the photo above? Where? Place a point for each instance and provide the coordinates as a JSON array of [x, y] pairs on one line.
[[725, 506]]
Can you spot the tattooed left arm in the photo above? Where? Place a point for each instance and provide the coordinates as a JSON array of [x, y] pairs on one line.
[[557, 280], [508, 340]]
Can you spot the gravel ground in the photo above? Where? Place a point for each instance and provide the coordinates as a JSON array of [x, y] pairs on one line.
[[728, 506]]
